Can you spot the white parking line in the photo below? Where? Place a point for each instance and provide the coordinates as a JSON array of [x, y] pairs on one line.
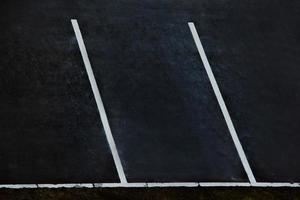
[[266, 184], [19, 186], [174, 184], [229, 184], [222, 104], [152, 184], [67, 185], [99, 102], [116, 185]]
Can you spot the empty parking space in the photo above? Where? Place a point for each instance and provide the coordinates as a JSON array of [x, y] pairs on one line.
[[164, 116]]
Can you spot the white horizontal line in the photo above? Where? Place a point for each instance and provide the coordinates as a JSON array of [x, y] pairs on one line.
[[221, 184], [152, 184], [179, 184], [265, 184], [68, 185], [114, 185], [19, 186]]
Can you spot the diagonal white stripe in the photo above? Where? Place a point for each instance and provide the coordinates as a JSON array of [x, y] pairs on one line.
[[99, 102], [222, 104]]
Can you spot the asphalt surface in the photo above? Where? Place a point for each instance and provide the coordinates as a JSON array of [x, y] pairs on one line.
[[164, 116]]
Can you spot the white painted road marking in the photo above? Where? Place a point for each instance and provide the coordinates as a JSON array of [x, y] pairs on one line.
[[67, 185], [151, 184], [19, 186], [222, 104], [99, 102]]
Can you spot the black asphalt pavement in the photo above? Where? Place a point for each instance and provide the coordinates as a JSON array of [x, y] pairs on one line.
[[162, 111]]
